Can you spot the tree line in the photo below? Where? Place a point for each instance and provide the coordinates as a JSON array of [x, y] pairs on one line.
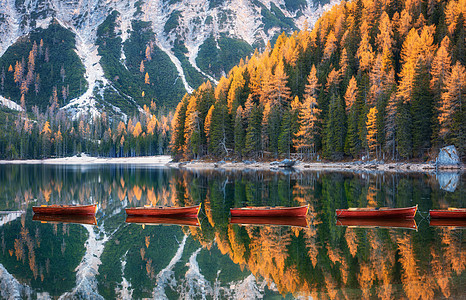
[[380, 79], [54, 134]]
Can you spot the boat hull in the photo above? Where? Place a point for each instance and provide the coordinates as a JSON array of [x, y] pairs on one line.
[[272, 221], [189, 211], [65, 209], [300, 211], [459, 213], [88, 219], [377, 223], [405, 212], [151, 220]]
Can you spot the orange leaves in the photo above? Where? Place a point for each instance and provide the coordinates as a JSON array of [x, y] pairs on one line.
[[351, 94], [330, 46], [455, 91], [371, 125], [137, 130], [452, 14], [46, 129]]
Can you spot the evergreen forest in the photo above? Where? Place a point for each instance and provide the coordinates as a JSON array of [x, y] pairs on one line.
[[373, 79]]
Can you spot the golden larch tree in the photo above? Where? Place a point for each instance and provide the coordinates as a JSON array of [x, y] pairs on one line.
[[371, 125]]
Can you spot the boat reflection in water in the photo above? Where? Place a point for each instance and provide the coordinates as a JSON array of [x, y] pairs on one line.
[[377, 223], [456, 223], [149, 220], [273, 221], [76, 219]]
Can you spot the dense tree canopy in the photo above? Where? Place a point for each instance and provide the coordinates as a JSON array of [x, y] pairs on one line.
[[381, 79]]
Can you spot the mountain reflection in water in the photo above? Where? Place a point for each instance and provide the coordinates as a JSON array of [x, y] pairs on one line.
[[223, 257]]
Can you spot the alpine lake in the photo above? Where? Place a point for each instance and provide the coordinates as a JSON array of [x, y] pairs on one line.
[[111, 257]]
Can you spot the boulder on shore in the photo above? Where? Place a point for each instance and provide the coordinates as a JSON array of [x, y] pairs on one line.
[[448, 156], [287, 163]]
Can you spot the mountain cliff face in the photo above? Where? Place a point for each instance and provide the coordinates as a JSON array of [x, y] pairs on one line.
[[135, 52]]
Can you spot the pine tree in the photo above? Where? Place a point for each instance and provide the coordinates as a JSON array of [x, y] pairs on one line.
[[177, 127], [286, 136], [351, 94], [235, 90], [404, 136], [372, 131], [281, 94], [452, 110], [141, 67], [253, 145], [335, 130], [221, 131], [239, 131], [309, 129], [441, 67], [312, 85], [207, 123], [390, 126], [421, 112], [330, 46]]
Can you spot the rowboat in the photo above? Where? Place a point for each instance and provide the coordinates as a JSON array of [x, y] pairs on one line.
[[76, 219], [267, 211], [457, 223], [150, 220], [273, 221], [377, 223], [450, 213], [188, 211], [385, 212], [65, 209]]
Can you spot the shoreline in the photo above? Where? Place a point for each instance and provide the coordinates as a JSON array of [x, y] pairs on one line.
[[318, 166], [166, 161], [153, 161]]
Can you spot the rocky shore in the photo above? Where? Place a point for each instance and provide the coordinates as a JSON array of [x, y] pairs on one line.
[[316, 166]]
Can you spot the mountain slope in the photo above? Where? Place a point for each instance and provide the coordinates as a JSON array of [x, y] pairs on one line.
[[180, 36]]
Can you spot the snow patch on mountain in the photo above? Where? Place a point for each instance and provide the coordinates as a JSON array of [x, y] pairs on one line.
[[195, 285], [158, 13], [9, 216], [86, 283], [167, 275], [10, 288], [124, 290], [248, 288], [10, 104], [127, 11], [10, 29], [312, 13]]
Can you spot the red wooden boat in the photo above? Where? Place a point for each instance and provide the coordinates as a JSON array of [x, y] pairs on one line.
[[77, 219], [150, 220], [451, 213], [65, 209], [450, 222], [188, 211], [385, 212], [267, 211], [273, 221], [377, 223]]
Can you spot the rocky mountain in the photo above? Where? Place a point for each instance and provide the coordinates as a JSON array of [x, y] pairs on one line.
[[130, 53]]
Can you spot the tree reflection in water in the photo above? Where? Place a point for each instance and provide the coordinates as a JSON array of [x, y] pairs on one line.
[[322, 260]]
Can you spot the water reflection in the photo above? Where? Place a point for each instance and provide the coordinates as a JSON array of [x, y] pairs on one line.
[[219, 256]]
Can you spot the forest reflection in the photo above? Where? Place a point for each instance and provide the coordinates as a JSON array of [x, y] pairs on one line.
[[322, 259]]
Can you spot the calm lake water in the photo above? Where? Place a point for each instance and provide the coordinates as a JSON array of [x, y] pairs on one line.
[[216, 259]]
